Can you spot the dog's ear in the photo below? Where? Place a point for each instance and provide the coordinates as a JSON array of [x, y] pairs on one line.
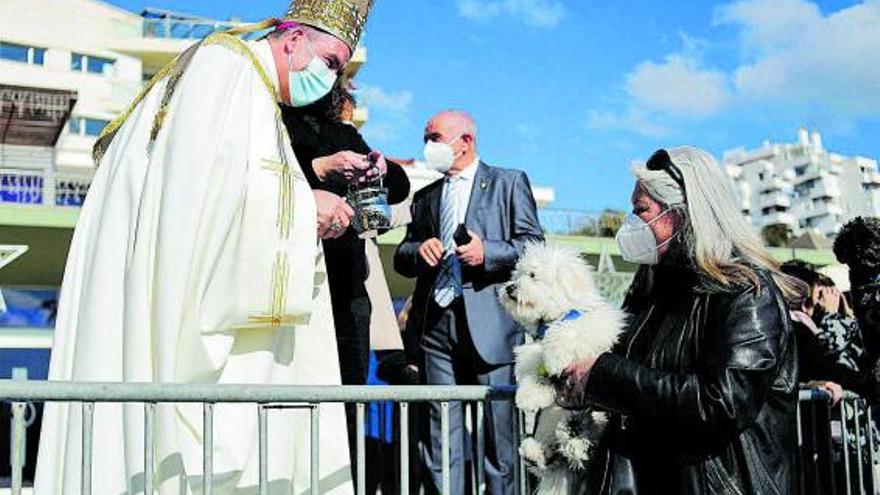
[[573, 281]]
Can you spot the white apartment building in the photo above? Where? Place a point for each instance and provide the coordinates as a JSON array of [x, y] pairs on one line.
[[803, 185]]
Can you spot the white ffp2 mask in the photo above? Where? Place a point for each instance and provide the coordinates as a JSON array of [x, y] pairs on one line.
[[440, 156], [637, 242]]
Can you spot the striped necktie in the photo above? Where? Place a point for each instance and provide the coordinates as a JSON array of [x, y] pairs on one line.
[[448, 285]]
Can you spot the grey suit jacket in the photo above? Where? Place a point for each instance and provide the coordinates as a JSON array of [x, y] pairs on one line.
[[503, 213]]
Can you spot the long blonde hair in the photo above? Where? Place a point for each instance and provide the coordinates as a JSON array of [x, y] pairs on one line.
[[719, 240]]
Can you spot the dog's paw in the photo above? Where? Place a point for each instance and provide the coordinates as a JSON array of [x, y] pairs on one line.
[[532, 451], [533, 394], [574, 448], [529, 360]]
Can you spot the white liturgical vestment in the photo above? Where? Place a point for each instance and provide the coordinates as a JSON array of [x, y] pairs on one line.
[[196, 261]]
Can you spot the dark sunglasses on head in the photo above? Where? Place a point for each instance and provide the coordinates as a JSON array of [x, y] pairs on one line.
[[660, 160]]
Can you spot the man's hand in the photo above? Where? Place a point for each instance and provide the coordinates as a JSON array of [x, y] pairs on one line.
[[472, 253], [432, 251], [334, 214], [346, 163]]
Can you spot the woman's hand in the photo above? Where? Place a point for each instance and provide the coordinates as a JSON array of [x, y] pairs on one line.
[[345, 163], [580, 372], [832, 388], [571, 383]]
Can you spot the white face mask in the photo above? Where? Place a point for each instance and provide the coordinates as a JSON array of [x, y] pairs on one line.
[[440, 156], [637, 242]]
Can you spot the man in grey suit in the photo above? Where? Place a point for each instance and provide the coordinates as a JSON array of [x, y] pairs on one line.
[[468, 230]]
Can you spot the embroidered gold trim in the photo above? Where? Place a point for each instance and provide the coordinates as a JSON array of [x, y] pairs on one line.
[[178, 65], [286, 205], [278, 303]]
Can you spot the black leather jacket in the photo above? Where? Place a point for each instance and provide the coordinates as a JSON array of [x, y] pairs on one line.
[[702, 390]]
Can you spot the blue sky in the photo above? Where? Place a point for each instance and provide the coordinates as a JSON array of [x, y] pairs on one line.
[[574, 91]]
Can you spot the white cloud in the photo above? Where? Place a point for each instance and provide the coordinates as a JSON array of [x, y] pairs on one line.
[[541, 13], [788, 57], [529, 136], [678, 86], [795, 55], [389, 114], [632, 120], [377, 98]]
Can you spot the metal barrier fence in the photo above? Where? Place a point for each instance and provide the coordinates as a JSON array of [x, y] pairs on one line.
[[266, 397], [837, 444]]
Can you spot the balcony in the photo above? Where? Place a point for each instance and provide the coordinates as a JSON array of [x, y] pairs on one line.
[[871, 179], [769, 200], [42, 188], [774, 184], [825, 189], [813, 210], [781, 217]]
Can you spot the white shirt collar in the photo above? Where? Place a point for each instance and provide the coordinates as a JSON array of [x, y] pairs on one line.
[[263, 52], [470, 171]]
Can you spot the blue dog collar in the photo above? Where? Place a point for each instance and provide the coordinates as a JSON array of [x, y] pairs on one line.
[[543, 326]]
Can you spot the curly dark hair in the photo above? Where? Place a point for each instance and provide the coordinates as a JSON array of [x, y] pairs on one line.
[[858, 246], [338, 97]]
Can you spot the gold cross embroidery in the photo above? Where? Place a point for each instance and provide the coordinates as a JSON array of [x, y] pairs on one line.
[[285, 195]]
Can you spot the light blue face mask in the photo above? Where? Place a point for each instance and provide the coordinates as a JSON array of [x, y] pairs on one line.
[[310, 84]]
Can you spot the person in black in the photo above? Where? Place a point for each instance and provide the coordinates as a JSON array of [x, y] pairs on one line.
[[702, 388], [331, 152], [829, 341]]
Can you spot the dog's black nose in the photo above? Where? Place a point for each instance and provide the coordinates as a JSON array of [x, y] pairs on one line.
[[511, 291]]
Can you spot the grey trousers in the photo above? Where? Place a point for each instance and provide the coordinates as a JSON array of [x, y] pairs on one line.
[[451, 359]]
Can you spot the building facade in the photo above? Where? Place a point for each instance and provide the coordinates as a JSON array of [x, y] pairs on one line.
[[100, 56], [803, 185]]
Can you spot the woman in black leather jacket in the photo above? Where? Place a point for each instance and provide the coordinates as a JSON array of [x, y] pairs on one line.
[[703, 386]]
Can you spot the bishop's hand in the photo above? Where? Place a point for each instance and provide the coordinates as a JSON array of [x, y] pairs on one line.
[[334, 214]]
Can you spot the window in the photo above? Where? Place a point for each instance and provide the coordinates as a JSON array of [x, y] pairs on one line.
[[22, 53], [93, 127], [82, 126], [75, 126], [76, 62], [91, 64]]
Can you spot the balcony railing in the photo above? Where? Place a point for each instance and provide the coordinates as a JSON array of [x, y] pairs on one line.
[[46, 188]]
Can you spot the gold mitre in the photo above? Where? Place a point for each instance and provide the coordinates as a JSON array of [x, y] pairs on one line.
[[344, 19]]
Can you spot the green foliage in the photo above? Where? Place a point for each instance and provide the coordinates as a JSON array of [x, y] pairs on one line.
[[777, 235]]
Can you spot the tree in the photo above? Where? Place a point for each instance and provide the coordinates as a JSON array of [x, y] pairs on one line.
[[610, 222], [777, 234]]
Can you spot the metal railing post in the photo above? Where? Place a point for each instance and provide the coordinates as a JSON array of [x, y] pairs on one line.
[[481, 446], [88, 421], [518, 465], [872, 456], [18, 436], [845, 436], [860, 468], [208, 448], [314, 421], [444, 434], [404, 448], [263, 426], [361, 451], [149, 446]]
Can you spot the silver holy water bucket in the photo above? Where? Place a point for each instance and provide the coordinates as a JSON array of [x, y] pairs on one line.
[[370, 203]]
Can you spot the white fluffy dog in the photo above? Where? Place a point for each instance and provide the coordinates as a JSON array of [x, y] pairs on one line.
[[553, 295]]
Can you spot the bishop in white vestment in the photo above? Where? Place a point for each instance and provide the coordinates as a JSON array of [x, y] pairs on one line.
[[196, 260]]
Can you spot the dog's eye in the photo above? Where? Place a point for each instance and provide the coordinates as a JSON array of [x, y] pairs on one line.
[[531, 274]]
